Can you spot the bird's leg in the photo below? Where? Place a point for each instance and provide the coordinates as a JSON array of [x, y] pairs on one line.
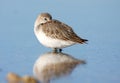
[[60, 50], [54, 49]]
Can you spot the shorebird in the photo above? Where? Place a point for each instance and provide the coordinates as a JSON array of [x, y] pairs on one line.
[[55, 34]]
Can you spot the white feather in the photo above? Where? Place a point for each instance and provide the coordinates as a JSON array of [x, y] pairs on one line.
[[51, 42]]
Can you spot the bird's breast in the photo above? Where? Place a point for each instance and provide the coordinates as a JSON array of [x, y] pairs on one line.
[[51, 42]]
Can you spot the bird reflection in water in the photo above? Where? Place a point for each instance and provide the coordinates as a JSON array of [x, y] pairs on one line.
[[54, 64]]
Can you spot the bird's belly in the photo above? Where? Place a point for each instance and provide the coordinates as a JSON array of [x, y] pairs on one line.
[[51, 42]]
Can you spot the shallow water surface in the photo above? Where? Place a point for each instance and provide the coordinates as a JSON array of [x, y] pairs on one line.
[[97, 21]]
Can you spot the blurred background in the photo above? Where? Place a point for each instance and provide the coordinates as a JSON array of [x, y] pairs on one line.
[[96, 20]]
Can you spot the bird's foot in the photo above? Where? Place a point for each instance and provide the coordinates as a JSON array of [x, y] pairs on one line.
[[60, 50], [57, 50]]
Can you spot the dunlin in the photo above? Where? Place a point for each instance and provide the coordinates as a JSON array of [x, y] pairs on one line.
[[55, 34]]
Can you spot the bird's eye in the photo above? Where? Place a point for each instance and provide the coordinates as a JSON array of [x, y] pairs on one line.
[[45, 18]]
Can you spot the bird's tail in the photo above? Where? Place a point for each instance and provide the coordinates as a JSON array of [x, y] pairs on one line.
[[82, 41]]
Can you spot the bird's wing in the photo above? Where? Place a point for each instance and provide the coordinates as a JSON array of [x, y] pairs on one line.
[[58, 30]]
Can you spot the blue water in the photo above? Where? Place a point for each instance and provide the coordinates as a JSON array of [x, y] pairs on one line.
[[96, 20]]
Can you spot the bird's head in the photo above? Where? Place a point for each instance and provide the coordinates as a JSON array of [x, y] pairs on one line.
[[43, 18]]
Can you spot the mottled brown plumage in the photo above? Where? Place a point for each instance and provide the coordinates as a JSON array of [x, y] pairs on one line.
[[58, 30]]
